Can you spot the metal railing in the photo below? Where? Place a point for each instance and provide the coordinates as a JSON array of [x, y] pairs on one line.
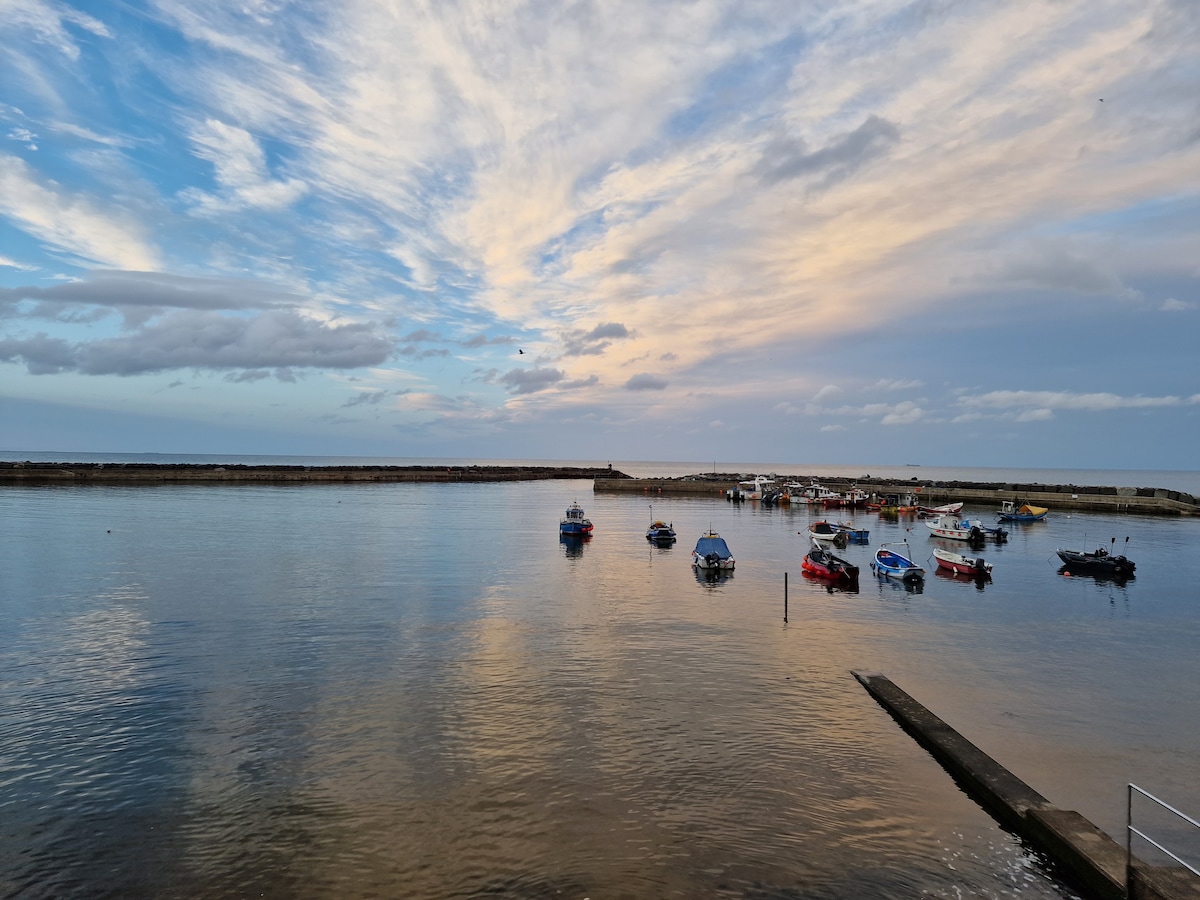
[[1130, 831]]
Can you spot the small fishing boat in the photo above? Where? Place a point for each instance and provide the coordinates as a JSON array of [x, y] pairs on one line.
[[660, 532], [813, 493], [855, 535], [820, 563], [973, 531], [896, 504], [1011, 512], [855, 496], [889, 563], [946, 509], [1104, 562], [829, 532], [962, 565], [574, 522], [751, 489], [712, 553]]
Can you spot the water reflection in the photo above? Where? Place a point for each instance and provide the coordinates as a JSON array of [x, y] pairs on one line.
[[712, 577], [1098, 577], [573, 544], [980, 581], [830, 587]]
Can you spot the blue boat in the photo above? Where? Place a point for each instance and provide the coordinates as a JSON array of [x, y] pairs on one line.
[[854, 535], [660, 532], [1010, 512], [574, 523], [891, 564]]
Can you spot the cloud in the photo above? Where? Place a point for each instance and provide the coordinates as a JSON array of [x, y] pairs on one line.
[[91, 228], [153, 290], [905, 413], [241, 171], [193, 339], [1173, 305], [482, 340], [829, 390], [896, 384], [1060, 265], [594, 342], [645, 382], [530, 381], [833, 428], [45, 23], [786, 158], [590, 381], [1041, 403]]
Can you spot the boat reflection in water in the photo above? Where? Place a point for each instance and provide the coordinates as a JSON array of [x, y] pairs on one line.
[[712, 577], [573, 544], [980, 581]]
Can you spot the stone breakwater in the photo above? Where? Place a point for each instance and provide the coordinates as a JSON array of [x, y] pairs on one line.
[[16, 473], [1057, 497]]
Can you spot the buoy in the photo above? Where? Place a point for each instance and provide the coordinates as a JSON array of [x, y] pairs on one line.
[[1066, 574]]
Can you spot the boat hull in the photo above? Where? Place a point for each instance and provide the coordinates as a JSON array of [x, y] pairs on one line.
[[1104, 565], [962, 565]]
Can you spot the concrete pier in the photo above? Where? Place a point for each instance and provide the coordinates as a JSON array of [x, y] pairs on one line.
[[1092, 860], [188, 473], [1058, 497]]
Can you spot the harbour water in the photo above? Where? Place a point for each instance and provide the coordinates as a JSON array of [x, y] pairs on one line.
[[417, 690]]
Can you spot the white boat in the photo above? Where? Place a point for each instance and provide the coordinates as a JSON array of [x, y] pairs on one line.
[[828, 532], [973, 531], [752, 489], [712, 553], [814, 492], [946, 509]]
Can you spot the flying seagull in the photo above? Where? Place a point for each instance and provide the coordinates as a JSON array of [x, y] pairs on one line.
[[522, 352]]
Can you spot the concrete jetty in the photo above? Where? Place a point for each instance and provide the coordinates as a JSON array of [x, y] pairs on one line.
[[1057, 497], [1091, 860], [194, 473]]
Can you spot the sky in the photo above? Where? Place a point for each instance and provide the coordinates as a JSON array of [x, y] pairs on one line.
[[897, 231]]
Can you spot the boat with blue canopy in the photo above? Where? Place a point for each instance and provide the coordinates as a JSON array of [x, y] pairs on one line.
[[712, 553]]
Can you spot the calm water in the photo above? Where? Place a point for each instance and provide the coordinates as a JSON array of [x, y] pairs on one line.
[[417, 690]]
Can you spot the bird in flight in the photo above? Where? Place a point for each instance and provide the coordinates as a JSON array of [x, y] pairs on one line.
[[522, 352]]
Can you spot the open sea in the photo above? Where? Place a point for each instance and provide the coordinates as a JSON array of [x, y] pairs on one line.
[[418, 690]]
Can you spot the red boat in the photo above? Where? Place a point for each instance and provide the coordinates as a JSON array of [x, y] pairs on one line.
[[962, 565], [820, 563]]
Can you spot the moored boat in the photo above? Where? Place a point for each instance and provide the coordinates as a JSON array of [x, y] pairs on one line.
[[574, 522], [1103, 563], [711, 553], [946, 509], [962, 565], [973, 531], [1011, 512], [853, 534], [829, 532], [813, 493], [820, 563], [751, 489], [660, 532], [889, 563]]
